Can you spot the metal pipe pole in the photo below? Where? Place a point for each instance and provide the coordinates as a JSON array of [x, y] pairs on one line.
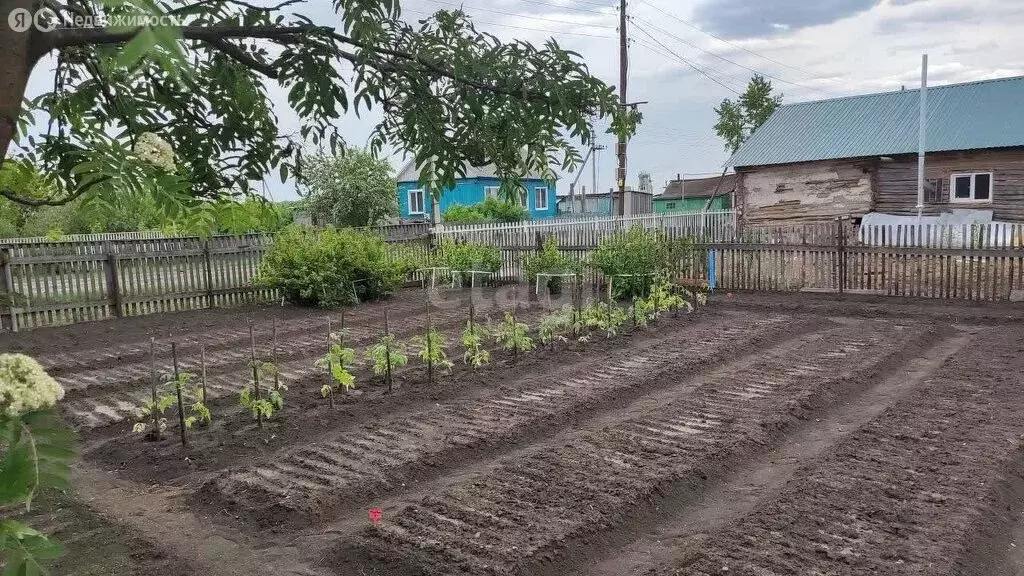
[[620, 173], [921, 139]]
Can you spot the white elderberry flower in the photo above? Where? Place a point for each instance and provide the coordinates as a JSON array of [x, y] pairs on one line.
[[25, 386], [155, 150]]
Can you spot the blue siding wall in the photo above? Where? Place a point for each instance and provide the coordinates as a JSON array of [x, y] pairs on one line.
[[471, 191]]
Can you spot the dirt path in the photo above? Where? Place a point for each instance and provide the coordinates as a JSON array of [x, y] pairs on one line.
[[674, 531]]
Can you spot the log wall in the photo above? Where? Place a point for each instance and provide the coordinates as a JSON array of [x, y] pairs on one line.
[[896, 182], [806, 192]]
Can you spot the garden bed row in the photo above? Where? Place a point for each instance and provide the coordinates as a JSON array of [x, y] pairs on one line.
[[524, 515], [913, 492], [309, 484]]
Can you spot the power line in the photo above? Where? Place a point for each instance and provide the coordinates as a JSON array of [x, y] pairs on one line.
[[723, 58], [561, 7], [475, 21], [525, 16], [733, 44], [687, 62], [675, 57]]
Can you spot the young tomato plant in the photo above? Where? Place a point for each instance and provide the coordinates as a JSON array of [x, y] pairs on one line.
[[605, 317], [192, 394], [432, 349], [556, 326], [513, 335], [251, 400], [386, 355], [150, 411], [336, 362], [473, 341]]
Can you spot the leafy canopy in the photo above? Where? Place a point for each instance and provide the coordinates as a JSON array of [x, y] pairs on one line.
[[351, 189], [448, 94], [737, 120]]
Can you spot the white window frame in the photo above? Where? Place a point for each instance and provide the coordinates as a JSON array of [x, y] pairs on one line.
[[492, 192], [972, 200], [538, 195], [422, 202]]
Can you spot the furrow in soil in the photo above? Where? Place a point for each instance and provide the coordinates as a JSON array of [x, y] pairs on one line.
[[106, 396], [909, 493], [308, 484], [523, 514]]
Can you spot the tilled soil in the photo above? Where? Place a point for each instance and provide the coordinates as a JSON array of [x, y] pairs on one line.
[[817, 435]]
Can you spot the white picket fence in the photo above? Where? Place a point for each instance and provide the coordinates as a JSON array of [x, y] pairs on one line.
[[710, 226], [102, 237]]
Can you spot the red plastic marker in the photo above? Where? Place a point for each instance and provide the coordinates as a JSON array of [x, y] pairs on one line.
[[375, 515]]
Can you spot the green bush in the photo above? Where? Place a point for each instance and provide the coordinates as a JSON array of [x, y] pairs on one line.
[[457, 213], [642, 253], [331, 267], [490, 210], [465, 256], [550, 260]]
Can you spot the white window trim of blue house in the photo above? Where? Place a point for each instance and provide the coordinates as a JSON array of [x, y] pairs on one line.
[[540, 198], [491, 192], [420, 203]]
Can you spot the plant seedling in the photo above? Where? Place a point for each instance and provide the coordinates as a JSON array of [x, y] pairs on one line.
[[386, 355], [513, 335], [555, 326], [336, 361], [473, 341], [432, 348]]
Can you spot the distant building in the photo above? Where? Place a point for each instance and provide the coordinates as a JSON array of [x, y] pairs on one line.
[[415, 204], [695, 195], [819, 160]]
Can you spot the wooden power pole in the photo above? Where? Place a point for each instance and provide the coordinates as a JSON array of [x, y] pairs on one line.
[[620, 173]]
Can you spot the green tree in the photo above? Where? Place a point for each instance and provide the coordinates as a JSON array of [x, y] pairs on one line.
[[351, 189], [737, 120], [448, 93]]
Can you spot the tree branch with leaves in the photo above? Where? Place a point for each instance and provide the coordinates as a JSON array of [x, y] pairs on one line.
[[448, 94]]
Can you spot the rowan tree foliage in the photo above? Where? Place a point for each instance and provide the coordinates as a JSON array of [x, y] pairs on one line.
[[448, 94], [737, 120], [351, 189]]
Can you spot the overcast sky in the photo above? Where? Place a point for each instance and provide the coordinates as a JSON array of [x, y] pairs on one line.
[[813, 49]]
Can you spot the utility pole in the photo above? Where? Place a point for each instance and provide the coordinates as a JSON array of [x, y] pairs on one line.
[[620, 173]]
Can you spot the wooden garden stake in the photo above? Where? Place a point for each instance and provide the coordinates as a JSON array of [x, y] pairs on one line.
[[634, 312], [153, 384], [341, 344], [255, 374], [273, 358], [387, 351], [430, 361], [177, 391], [202, 368], [515, 308]]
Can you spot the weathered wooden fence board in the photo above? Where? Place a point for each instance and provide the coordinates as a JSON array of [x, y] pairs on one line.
[[50, 283]]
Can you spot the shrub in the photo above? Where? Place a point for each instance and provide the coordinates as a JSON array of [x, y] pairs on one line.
[[641, 253], [331, 267], [490, 209], [550, 260], [463, 214], [468, 256]]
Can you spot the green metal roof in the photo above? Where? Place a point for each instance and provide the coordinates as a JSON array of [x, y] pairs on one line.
[[986, 114]]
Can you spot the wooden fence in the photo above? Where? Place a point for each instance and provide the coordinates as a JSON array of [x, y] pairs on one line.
[[51, 283]]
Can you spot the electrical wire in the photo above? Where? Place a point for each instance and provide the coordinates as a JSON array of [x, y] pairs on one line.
[[552, 32], [561, 7], [525, 16], [721, 75], [733, 44], [723, 58], [700, 70]]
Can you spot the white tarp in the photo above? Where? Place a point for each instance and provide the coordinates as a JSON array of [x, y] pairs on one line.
[[946, 230]]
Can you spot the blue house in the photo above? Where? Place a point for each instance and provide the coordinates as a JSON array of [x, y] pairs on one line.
[[479, 183]]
